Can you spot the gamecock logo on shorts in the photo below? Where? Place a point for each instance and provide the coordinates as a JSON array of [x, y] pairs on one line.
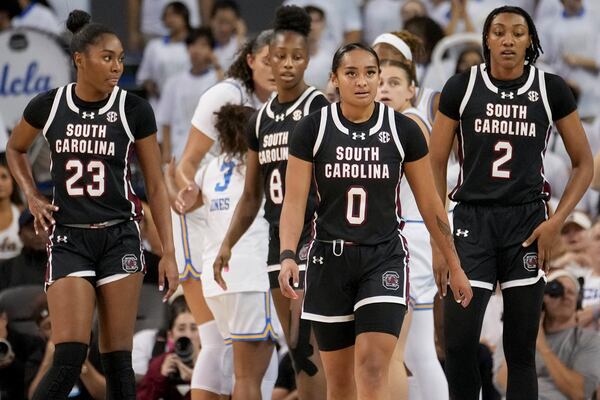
[[303, 254], [129, 263], [391, 280], [530, 261]]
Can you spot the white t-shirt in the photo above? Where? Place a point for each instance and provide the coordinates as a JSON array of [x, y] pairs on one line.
[[10, 242], [229, 91], [151, 16], [226, 53], [39, 17], [381, 16], [221, 182], [319, 67], [178, 102], [341, 16]]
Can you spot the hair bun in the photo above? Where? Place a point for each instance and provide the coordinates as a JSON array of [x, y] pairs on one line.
[[292, 18], [77, 19]]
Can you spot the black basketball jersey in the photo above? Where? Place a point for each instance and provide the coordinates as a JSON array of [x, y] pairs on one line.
[[91, 150], [268, 133], [357, 169], [503, 133]]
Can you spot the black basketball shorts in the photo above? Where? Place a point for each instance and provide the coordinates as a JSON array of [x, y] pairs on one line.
[[100, 255], [339, 285], [489, 241], [273, 265]]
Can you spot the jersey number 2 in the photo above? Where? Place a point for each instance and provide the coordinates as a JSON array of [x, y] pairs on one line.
[[356, 205], [497, 172], [94, 189]]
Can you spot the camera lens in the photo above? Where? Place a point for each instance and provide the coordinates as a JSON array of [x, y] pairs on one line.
[[554, 289], [184, 348]]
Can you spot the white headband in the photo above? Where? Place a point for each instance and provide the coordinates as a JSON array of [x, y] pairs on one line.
[[396, 42]]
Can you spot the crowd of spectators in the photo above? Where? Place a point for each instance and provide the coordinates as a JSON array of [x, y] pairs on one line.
[[187, 46]]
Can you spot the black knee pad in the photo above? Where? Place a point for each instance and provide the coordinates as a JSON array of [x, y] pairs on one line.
[[379, 317], [64, 372], [334, 336], [120, 378], [303, 350]]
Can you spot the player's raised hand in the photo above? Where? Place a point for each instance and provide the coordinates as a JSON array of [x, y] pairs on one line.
[[546, 235], [461, 288], [289, 271], [42, 210], [221, 263], [167, 269]]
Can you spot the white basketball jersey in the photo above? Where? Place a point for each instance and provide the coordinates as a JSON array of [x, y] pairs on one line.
[[221, 182]]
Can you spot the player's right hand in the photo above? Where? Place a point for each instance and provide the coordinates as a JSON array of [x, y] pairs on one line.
[[186, 198], [289, 271], [170, 183], [42, 210], [461, 287], [221, 263], [167, 268]]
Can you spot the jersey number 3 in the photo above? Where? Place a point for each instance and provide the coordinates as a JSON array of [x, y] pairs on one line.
[[498, 172], [93, 189]]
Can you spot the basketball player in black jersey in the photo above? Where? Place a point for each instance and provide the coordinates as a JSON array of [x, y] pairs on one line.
[[93, 127], [356, 276], [267, 135], [504, 111]]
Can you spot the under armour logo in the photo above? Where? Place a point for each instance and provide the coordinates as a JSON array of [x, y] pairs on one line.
[[111, 116], [359, 135], [532, 95], [507, 95], [317, 260], [384, 137], [460, 232], [86, 115], [279, 117], [62, 239]]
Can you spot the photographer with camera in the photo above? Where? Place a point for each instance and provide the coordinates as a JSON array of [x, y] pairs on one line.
[[169, 374], [567, 356]]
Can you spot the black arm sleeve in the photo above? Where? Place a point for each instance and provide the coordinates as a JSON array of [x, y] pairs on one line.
[[36, 113], [251, 133], [561, 99], [318, 102], [304, 137], [452, 95], [411, 137], [142, 122]]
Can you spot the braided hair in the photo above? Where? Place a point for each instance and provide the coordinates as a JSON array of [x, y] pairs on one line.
[[532, 53]]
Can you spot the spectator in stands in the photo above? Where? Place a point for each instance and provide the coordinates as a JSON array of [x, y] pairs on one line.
[[29, 267], [8, 10], [173, 368], [145, 19], [15, 349], [589, 316], [572, 50], [467, 58], [91, 383], [183, 90], [320, 52], [567, 357], [430, 34], [166, 56], [229, 31], [39, 15], [411, 9], [10, 242], [380, 16]]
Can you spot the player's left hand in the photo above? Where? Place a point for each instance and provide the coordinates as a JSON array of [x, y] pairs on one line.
[[546, 234], [461, 287], [167, 268]]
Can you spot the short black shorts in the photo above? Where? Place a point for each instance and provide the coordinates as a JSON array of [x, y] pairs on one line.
[[336, 286], [99, 255], [273, 265], [489, 241]]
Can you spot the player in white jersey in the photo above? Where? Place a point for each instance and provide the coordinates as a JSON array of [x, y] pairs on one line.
[[401, 46], [241, 306], [397, 89], [10, 242], [250, 83]]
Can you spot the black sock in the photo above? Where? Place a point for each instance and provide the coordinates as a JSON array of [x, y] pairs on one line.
[[64, 372], [120, 378]]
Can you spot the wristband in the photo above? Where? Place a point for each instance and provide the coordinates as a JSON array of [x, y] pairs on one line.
[[285, 254]]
